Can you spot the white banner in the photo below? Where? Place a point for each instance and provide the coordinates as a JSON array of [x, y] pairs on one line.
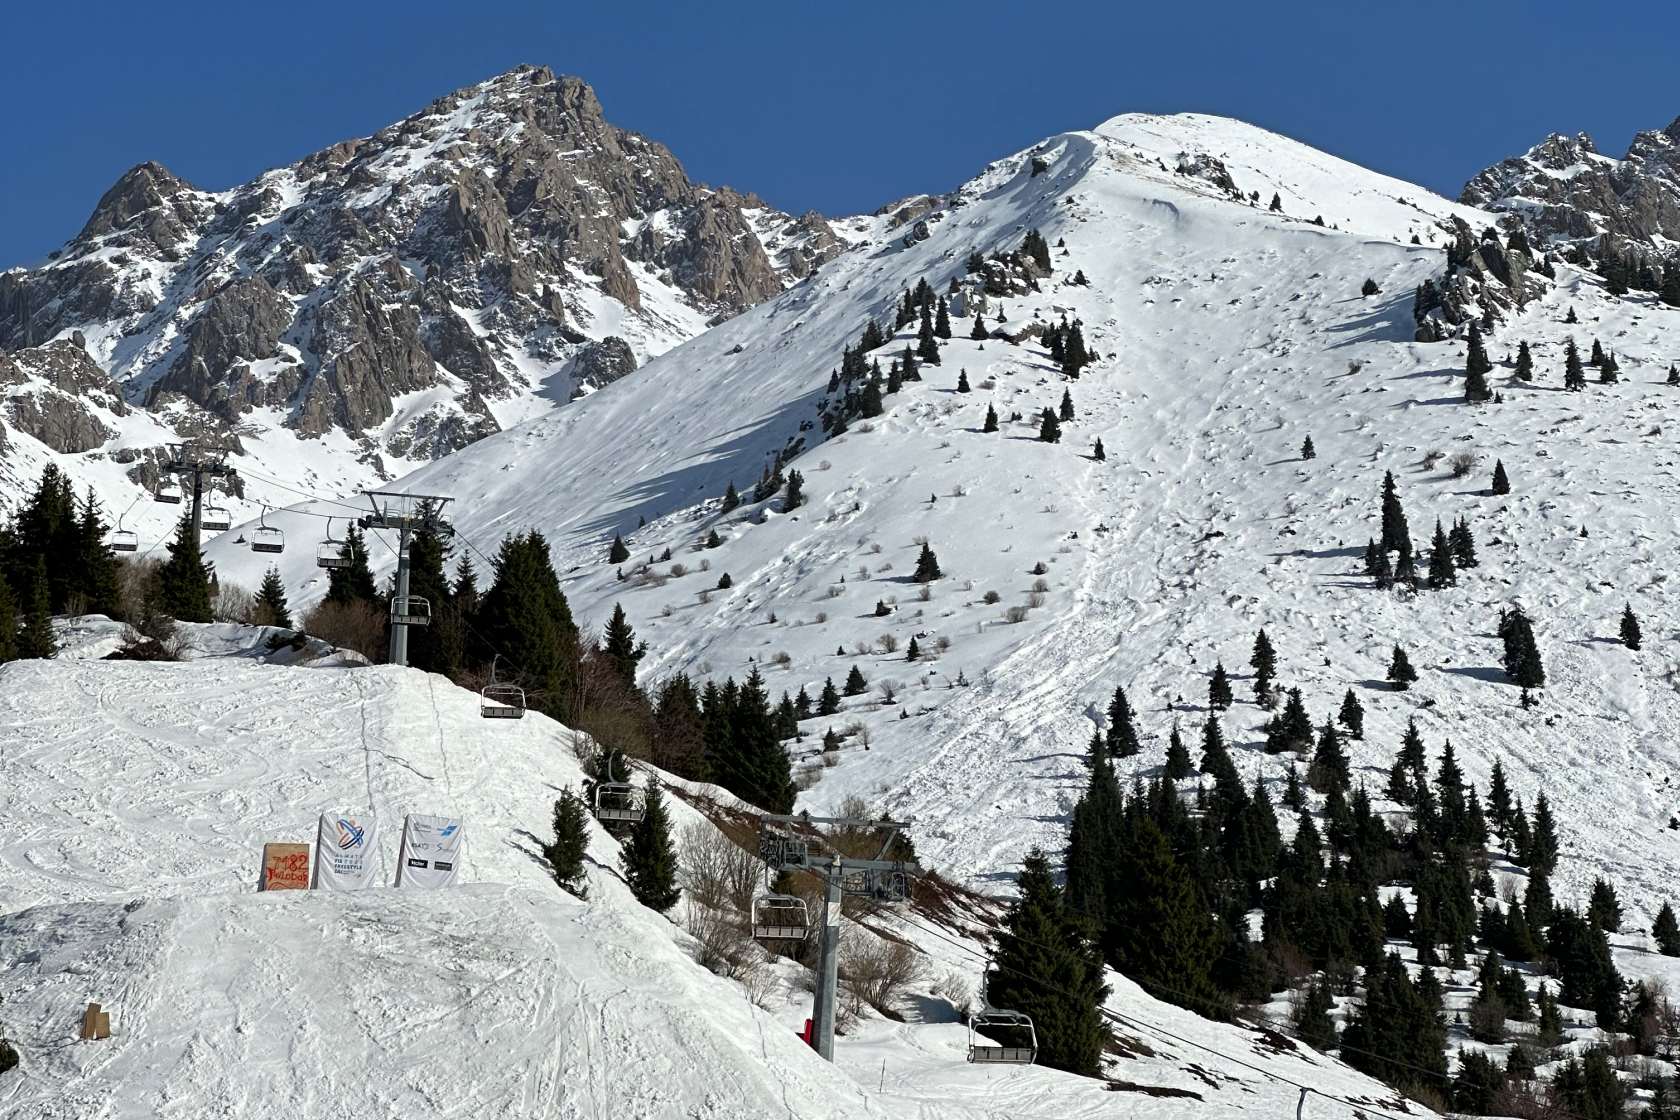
[[433, 849], [346, 850]]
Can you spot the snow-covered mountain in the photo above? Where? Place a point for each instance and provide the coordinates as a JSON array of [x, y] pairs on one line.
[[382, 302]]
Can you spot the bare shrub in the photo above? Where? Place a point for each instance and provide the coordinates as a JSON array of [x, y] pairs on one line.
[[705, 565], [135, 576], [1035, 599], [705, 595], [880, 973], [990, 597], [822, 617], [875, 548], [667, 611], [959, 491], [1431, 457], [1462, 463], [953, 989], [233, 603], [1041, 585], [942, 643], [807, 775], [888, 691], [717, 872], [679, 570], [835, 591], [925, 592], [1015, 614], [357, 625], [918, 541], [782, 659], [861, 649], [887, 643], [721, 945]]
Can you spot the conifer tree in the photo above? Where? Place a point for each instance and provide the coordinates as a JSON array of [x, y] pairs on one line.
[[1291, 729], [1522, 654], [828, 703], [855, 684], [802, 706], [1307, 451], [731, 498], [649, 858], [942, 320], [1330, 769], [927, 566], [1608, 370], [991, 424], [962, 381], [1665, 931], [272, 609], [1049, 428], [1312, 1022], [1046, 967], [1097, 452], [617, 554], [895, 379], [1574, 376], [1159, 931], [978, 334], [1476, 368], [1499, 800], [1066, 413], [1352, 716], [1216, 759], [8, 621], [908, 361], [870, 402], [1264, 663], [1381, 569], [620, 646], [1396, 535], [1122, 739], [1396, 1035], [1442, 574], [1630, 627], [1604, 911], [1276, 204], [566, 852], [1525, 362], [725, 582], [1405, 572], [1463, 544], [1597, 358], [1400, 671], [1219, 689], [1543, 845], [524, 616], [713, 540], [1178, 758], [1501, 481], [912, 651], [35, 637], [183, 584]]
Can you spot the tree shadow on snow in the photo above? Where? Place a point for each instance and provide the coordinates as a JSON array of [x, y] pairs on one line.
[[1389, 321], [1492, 673]]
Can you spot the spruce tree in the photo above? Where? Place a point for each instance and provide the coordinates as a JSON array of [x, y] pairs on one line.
[[8, 621], [870, 402], [1463, 544], [1159, 931], [1501, 481], [1597, 358], [731, 498], [991, 424], [1665, 931], [620, 646], [1630, 627], [1330, 769], [1476, 368], [1122, 741], [1276, 205], [1352, 716], [1178, 758], [1604, 911], [1307, 451], [347, 585], [649, 858], [617, 554], [1522, 655], [182, 584], [1543, 845], [979, 333], [1049, 428], [1291, 729], [1097, 451], [1311, 1017], [1396, 535], [895, 379], [942, 320], [1574, 376], [1405, 572], [1525, 362], [855, 684], [962, 381], [1219, 689], [828, 703], [35, 637], [1216, 759], [1046, 967], [927, 566], [1442, 573], [1066, 412], [1264, 663], [524, 617], [1400, 671], [912, 651], [566, 852], [272, 609]]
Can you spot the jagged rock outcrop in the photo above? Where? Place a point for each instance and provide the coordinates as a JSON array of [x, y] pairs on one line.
[[52, 392], [602, 363], [1564, 190], [1485, 279], [470, 239]]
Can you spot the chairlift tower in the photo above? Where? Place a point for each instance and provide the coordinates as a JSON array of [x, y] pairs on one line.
[[407, 514], [201, 461], [883, 879]]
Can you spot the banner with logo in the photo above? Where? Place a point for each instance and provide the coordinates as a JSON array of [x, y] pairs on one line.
[[346, 852], [433, 849]]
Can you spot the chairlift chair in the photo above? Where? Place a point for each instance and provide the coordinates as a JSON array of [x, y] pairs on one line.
[[414, 611], [333, 553], [501, 701], [266, 538], [619, 803], [215, 519], [168, 492], [780, 917], [990, 1018], [123, 541]]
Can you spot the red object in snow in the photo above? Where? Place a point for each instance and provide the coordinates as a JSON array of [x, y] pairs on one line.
[[805, 1035]]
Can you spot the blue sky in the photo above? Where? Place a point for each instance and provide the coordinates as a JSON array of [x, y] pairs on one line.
[[835, 107]]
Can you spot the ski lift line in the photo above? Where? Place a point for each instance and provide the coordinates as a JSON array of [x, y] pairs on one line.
[[1125, 1021], [367, 767], [437, 716]]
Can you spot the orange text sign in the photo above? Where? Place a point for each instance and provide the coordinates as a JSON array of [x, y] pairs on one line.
[[285, 867]]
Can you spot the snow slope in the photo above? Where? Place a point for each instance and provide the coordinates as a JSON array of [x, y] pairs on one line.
[[137, 799]]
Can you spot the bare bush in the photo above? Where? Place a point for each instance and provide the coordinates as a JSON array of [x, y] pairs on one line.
[[705, 565], [1431, 457], [942, 643], [822, 617], [357, 625], [1462, 463], [888, 691], [835, 591], [679, 570], [1035, 599], [782, 659], [1041, 585], [721, 945], [875, 548], [807, 775], [880, 973], [925, 592], [887, 643], [705, 595], [990, 597], [233, 603], [667, 611], [717, 872], [1015, 614]]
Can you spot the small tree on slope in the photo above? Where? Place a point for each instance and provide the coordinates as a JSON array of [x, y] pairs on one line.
[[1630, 627], [571, 841], [650, 861]]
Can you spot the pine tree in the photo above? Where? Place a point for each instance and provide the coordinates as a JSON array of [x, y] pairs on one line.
[[1405, 572], [855, 684], [1396, 535], [991, 424], [1264, 663], [1049, 428], [524, 616], [571, 842], [1499, 800], [1597, 358], [272, 609], [1543, 845], [942, 320], [35, 638], [1178, 758], [183, 584], [1122, 739], [1219, 689], [1047, 968], [725, 582], [8, 621], [1277, 203], [1400, 671], [1097, 452], [908, 361], [895, 379], [1525, 362], [1312, 1022], [1476, 368], [1570, 318], [1604, 911], [1665, 931], [962, 381], [978, 334], [927, 566], [1307, 451], [1066, 413], [617, 554], [1501, 481], [620, 647], [731, 498], [1352, 716], [1522, 655], [650, 860], [828, 703], [1673, 370], [1442, 574], [1608, 370], [1630, 627], [1216, 758], [1463, 544], [912, 651], [1574, 376], [870, 403], [1330, 769], [713, 540], [1291, 729]]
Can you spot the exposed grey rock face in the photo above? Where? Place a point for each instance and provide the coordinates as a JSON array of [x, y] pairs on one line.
[[601, 363], [54, 390], [471, 234], [1488, 280], [1564, 190]]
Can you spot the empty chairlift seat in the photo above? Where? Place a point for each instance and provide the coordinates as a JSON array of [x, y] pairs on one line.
[[501, 701], [412, 611], [216, 519], [266, 538], [333, 553], [123, 541], [780, 917], [168, 493], [619, 802], [1012, 1029]]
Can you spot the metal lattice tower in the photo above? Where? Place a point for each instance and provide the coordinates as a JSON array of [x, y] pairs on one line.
[[880, 878], [407, 514], [201, 461]]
